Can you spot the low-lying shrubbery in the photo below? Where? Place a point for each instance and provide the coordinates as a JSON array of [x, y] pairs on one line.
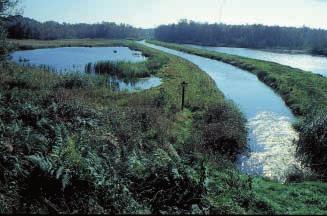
[[312, 146]]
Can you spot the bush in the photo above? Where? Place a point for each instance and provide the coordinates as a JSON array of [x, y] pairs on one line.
[[223, 130], [312, 145], [74, 81]]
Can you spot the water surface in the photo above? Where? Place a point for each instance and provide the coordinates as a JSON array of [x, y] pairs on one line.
[[271, 135], [137, 85], [74, 59], [315, 64]]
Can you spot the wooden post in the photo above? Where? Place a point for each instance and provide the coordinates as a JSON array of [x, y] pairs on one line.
[[184, 84]]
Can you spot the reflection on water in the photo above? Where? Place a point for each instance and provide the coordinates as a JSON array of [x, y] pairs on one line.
[[135, 85], [315, 64], [274, 152]]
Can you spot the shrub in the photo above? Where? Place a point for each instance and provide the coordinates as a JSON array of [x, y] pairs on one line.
[[73, 81], [223, 130], [312, 145]]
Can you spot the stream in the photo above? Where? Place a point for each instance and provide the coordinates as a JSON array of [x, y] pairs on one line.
[[271, 135], [307, 62]]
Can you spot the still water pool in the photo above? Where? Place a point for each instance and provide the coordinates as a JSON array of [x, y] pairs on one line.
[[74, 59]]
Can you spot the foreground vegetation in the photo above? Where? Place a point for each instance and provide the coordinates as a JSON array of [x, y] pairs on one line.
[[71, 145], [304, 92]]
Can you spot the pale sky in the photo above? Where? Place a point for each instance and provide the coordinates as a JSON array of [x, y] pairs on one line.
[[151, 13]]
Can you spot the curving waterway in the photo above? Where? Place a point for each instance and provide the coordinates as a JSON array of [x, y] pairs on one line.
[[271, 135], [315, 64]]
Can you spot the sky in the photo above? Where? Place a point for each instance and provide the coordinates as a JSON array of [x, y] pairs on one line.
[[151, 13]]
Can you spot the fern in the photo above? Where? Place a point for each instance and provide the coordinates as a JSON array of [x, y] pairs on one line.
[[47, 167], [43, 163], [60, 132]]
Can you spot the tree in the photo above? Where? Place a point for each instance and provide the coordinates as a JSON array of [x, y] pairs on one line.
[[7, 8]]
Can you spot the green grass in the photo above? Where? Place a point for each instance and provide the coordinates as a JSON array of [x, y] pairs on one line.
[[296, 199]]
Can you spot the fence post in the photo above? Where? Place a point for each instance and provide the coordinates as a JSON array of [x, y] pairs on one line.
[[184, 84]]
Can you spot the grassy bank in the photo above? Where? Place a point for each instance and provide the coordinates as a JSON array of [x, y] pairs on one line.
[[38, 44], [302, 91]]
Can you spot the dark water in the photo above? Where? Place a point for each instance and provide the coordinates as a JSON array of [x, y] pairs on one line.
[[270, 128], [74, 59], [315, 64]]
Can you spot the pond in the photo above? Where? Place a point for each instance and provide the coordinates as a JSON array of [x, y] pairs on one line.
[[271, 135], [74, 60], [315, 64]]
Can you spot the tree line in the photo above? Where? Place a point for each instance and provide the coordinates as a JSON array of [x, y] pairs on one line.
[[19, 27], [247, 36]]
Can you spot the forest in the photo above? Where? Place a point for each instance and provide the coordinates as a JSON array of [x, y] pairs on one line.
[[19, 27], [246, 36]]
